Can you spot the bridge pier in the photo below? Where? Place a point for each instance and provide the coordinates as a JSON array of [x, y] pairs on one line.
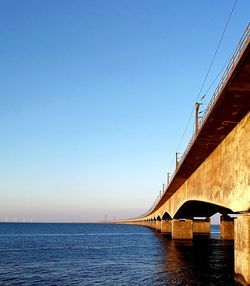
[[153, 224], [182, 229], [166, 226], [226, 228], [201, 226], [242, 249], [158, 225]]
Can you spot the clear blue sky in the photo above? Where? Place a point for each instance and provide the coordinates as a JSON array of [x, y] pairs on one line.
[[95, 96]]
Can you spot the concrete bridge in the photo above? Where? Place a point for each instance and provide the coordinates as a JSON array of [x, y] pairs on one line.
[[213, 174]]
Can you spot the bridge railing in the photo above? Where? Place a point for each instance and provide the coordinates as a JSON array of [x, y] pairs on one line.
[[245, 39], [232, 63]]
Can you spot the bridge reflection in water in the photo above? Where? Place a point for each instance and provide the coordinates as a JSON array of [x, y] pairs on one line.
[[213, 174], [201, 261]]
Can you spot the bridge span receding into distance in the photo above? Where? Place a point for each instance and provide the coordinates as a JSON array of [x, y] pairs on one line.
[[213, 174]]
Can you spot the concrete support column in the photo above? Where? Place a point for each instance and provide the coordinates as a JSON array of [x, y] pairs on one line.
[[166, 226], [201, 226], [182, 229], [226, 228], [242, 249], [153, 225], [158, 225]]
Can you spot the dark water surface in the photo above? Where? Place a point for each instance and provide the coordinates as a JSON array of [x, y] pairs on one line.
[[99, 254]]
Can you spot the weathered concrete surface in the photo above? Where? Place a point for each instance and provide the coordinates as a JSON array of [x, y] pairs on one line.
[[242, 249], [201, 226], [222, 180], [153, 224], [230, 106], [158, 225], [166, 226], [182, 229], [149, 223], [226, 228]]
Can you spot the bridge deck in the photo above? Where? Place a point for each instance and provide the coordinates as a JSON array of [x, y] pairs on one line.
[[230, 106]]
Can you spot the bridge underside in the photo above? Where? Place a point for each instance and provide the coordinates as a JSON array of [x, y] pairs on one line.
[[220, 184], [193, 209], [228, 110]]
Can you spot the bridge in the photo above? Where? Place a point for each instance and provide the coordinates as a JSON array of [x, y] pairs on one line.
[[213, 174]]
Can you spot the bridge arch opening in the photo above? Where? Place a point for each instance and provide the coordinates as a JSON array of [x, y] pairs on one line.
[[158, 218], [166, 216], [193, 208]]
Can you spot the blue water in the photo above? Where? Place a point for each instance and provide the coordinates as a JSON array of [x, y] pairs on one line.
[[103, 254]]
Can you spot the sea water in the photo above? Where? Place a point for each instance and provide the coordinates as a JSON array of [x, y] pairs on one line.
[[110, 254]]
